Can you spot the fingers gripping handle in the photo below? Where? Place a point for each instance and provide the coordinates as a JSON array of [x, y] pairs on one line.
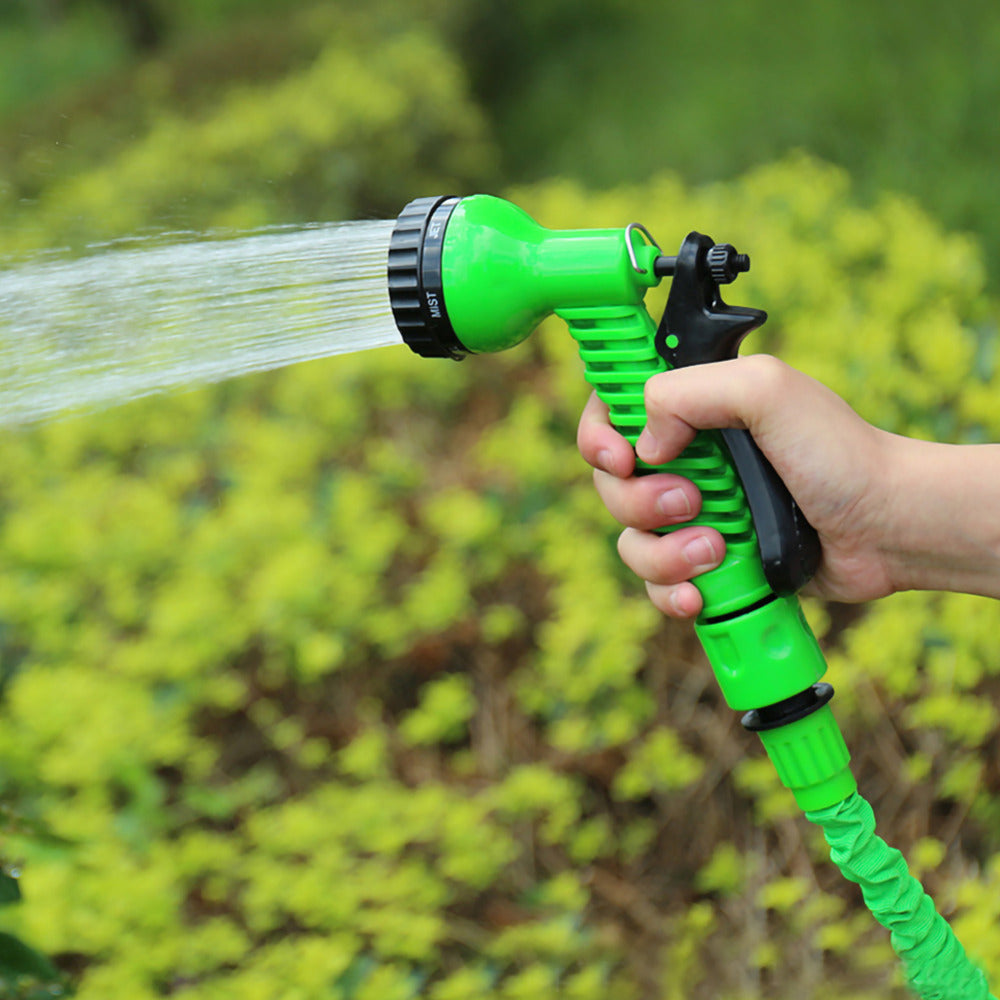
[[760, 647], [617, 345]]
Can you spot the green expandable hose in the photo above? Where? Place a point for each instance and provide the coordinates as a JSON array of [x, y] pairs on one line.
[[936, 965]]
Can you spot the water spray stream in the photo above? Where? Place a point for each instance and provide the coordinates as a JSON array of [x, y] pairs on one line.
[[135, 318]]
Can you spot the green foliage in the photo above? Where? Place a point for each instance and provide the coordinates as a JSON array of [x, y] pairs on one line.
[[25, 974], [898, 97], [85, 44], [371, 119], [446, 705], [725, 872], [659, 763]]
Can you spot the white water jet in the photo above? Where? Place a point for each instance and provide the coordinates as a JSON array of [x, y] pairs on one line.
[[141, 316]]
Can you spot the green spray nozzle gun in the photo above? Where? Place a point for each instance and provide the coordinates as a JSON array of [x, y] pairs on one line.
[[477, 274]]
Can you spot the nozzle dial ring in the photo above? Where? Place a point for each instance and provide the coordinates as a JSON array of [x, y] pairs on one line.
[[416, 291]]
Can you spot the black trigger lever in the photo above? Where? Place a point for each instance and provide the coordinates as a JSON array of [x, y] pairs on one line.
[[698, 327]]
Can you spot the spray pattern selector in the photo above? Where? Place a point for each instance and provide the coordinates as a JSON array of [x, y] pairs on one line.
[[698, 327]]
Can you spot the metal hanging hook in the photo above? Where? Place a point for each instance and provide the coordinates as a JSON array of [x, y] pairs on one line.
[[631, 228]]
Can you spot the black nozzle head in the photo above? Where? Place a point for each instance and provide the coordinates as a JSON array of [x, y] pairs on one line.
[[416, 291]]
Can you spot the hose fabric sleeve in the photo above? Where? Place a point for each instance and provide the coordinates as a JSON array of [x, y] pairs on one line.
[[936, 965]]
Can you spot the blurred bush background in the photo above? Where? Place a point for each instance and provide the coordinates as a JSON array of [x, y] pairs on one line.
[[327, 683]]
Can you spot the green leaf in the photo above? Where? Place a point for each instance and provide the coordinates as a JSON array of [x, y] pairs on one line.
[[17, 959], [10, 891]]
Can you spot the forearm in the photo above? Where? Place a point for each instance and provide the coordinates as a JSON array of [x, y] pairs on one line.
[[942, 513]]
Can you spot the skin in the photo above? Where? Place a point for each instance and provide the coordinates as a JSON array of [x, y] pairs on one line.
[[892, 513]]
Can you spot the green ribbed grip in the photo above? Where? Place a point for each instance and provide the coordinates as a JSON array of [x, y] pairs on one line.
[[811, 759], [617, 345]]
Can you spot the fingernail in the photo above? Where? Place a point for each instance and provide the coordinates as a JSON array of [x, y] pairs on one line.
[[699, 553], [674, 503], [605, 460], [648, 448]]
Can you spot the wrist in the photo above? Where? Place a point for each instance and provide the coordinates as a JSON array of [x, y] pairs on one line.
[[941, 506]]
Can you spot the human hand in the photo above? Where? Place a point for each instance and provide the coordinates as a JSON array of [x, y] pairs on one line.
[[837, 466]]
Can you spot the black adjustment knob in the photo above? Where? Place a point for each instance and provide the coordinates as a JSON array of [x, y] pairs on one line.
[[724, 263]]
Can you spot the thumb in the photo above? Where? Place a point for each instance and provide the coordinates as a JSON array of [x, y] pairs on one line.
[[755, 392]]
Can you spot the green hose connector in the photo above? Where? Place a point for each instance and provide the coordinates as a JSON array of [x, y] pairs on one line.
[[812, 760], [764, 655]]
